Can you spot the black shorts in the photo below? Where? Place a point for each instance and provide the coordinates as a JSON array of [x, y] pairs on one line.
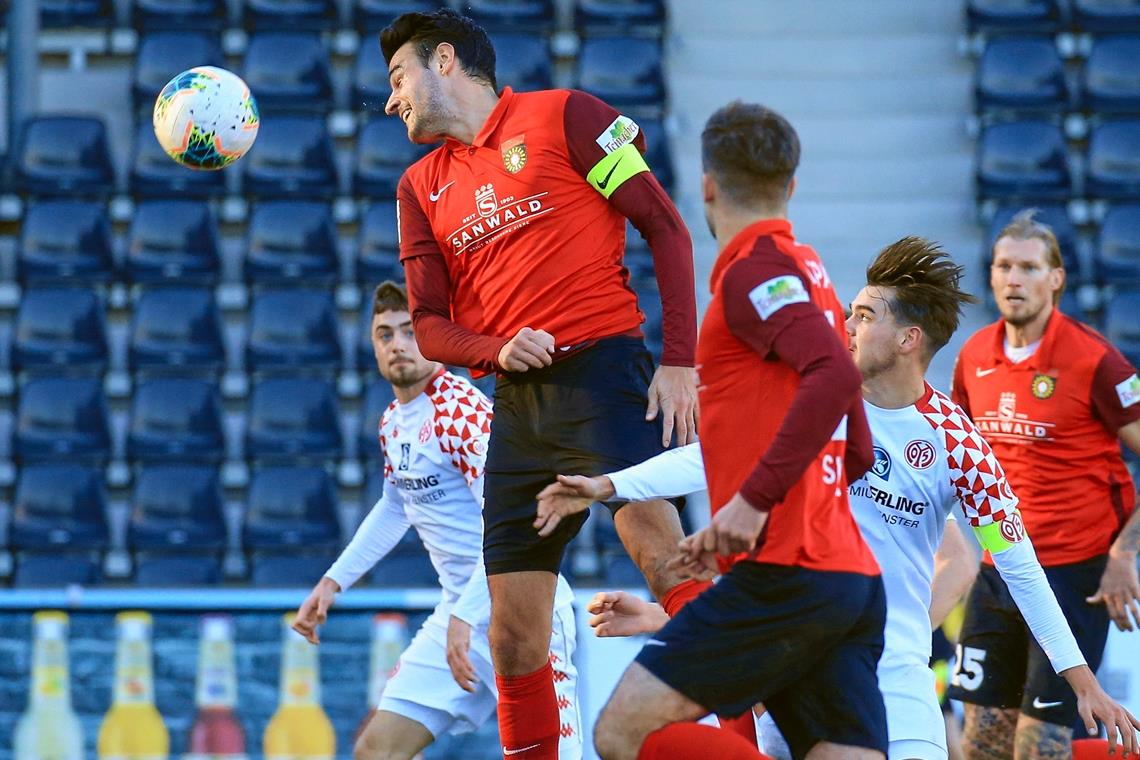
[[1000, 664], [583, 415], [806, 643]]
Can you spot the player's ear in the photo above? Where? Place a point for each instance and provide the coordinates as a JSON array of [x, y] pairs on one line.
[[444, 57], [911, 339], [708, 188], [791, 187]]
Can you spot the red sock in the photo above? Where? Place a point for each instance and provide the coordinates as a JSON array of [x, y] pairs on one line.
[[681, 594], [744, 726], [528, 715], [1090, 749], [695, 741]]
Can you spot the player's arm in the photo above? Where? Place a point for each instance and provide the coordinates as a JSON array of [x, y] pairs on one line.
[[955, 567], [472, 609]]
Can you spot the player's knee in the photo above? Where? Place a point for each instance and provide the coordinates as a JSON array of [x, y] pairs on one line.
[[517, 649], [607, 739], [365, 750]]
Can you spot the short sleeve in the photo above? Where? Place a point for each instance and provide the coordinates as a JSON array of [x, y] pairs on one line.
[[416, 236], [1115, 391]]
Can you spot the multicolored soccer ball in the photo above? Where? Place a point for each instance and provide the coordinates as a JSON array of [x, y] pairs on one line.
[[205, 118]]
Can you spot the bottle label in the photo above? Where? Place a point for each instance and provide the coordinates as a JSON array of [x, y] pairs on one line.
[[135, 680], [300, 687], [206, 756], [50, 669], [217, 683]]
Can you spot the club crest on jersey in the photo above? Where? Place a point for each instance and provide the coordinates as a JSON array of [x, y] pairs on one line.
[[1043, 386], [425, 431], [514, 154], [919, 454], [485, 200], [1007, 405], [1129, 391], [882, 465], [1012, 529]]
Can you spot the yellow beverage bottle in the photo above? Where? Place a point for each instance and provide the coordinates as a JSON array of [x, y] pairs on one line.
[[299, 730], [133, 729], [49, 729]]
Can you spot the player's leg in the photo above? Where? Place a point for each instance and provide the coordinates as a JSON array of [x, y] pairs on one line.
[[390, 736], [650, 532], [988, 732]]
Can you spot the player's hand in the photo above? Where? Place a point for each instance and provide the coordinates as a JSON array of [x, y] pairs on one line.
[[673, 392], [618, 613], [1119, 590], [1094, 704], [529, 349], [315, 609], [734, 528], [569, 495], [458, 645]]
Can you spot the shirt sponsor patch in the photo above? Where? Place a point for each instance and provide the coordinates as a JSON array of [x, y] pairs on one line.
[[623, 130], [772, 295], [1129, 391]]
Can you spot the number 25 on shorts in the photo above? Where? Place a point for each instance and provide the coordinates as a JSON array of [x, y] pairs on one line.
[[969, 673]]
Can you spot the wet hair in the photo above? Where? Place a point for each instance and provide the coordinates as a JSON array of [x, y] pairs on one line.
[[752, 152], [473, 48]]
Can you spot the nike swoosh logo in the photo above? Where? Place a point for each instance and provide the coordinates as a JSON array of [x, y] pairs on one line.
[[606, 180], [517, 751], [1038, 704], [654, 643], [983, 372], [434, 195]]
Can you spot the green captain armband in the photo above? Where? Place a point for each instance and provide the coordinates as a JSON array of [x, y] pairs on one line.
[[615, 168], [999, 536]]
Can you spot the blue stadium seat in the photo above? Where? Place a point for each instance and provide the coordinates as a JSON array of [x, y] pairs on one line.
[[289, 73], [383, 152], [378, 246], [522, 62], [373, 483], [1107, 16], [638, 257], [177, 508], [657, 153], [60, 14], [511, 15], [62, 419], [1114, 160], [179, 15], [293, 418], [1118, 247], [164, 55], [66, 241], [315, 15], [622, 572], [62, 331], [370, 87], [155, 174], [405, 568], [1121, 326], [163, 570], [292, 242], [291, 508], [622, 71], [59, 507], [592, 17], [1005, 16], [177, 331], [289, 570], [55, 570], [64, 156], [1023, 160], [293, 331], [1021, 74], [176, 419], [173, 242], [365, 357], [649, 301], [1051, 214], [293, 157], [371, 15], [1111, 77], [376, 400]]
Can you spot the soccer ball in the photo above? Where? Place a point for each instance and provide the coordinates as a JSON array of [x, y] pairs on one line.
[[205, 118]]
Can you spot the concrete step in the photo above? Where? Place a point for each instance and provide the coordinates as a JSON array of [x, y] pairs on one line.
[[746, 18]]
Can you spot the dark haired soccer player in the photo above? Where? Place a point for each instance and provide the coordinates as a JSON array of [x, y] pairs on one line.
[[1055, 400], [512, 236]]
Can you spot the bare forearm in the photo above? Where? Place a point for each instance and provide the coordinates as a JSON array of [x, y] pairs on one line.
[[1127, 543]]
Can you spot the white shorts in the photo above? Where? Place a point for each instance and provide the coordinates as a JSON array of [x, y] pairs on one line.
[[915, 726], [422, 688]]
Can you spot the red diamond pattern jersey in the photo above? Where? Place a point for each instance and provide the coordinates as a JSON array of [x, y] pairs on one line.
[[1052, 421], [462, 423]]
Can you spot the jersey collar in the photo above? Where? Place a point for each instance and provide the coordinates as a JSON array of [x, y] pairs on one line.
[[498, 113], [1041, 359], [741, 245]]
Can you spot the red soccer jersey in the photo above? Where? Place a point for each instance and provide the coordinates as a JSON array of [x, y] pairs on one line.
[[773, 301], [526, 228], [1052, 421]]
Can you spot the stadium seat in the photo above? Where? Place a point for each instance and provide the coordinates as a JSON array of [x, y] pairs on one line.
[[376, 400], [638, 257], [370, 87], [155, 174], [657, 153], [593, 17], [291, 508], [1111, 77], [522, 62], [622, 572], [1118, 247], [179, 15], [59, 507], [1005, 16], [163, 570], [55, 570], [289, 73], [62, 419], [173, 242], [293, 157], [1121, 326], [64, 156], [372, 15], [1024, 160], [649, 301], [177, 508], [405, 568], [511, 15], [291, 570], [176, 331], [383, 152], [164, 55], [1055, 216], [65, 241], [378, 246], [61, 14], [1021, 74], [622, 71], [62, 331], [1114, 160], [176, 419], [293, 331], [1107, 16], [293, 418], [292, 242], [314, 15]]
